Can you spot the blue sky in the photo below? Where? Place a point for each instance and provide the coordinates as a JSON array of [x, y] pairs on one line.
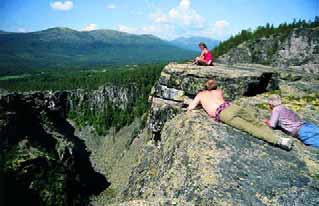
[[167, 19]]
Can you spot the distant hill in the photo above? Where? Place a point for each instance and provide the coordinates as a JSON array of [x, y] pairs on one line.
[[1, 31], [64, 47], [191, 43]]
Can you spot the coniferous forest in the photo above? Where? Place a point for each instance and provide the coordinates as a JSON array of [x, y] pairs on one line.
[[142, 77], [268, 30]]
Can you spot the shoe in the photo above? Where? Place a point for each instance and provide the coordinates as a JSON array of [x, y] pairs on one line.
[[285, 143]]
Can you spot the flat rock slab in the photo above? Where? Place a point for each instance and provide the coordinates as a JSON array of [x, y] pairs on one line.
[[201, 162], [179, 83]]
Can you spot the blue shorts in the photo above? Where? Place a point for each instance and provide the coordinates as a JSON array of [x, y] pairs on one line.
[[309, 134]]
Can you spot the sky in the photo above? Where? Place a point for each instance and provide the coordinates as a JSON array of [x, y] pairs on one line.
[[168, 19]]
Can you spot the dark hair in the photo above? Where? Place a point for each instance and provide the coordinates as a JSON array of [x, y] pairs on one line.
[[202, 44], [211, 84]]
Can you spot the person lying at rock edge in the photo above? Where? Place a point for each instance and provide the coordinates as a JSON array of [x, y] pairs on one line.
[[291, 123], [242, 118], [206, 57]]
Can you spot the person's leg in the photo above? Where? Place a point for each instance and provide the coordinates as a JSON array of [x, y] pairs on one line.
[[309, 135], [202, 62], [245, 119]]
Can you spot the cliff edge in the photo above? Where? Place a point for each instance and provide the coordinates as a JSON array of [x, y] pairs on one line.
[[174, 158], [196, 161]]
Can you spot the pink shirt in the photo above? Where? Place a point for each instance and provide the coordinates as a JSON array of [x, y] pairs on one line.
[[286, 119], [208, 56]]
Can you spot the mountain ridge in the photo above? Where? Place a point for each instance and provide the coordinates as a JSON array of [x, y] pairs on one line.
[[66, 48]]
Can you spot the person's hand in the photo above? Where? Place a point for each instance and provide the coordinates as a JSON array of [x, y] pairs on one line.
[[266, 121]]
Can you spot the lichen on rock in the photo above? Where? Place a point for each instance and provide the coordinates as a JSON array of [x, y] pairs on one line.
[[201, 162]]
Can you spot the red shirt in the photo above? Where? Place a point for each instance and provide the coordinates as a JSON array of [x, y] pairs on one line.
[[208, 57]]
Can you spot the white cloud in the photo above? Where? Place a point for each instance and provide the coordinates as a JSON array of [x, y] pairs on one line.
[[220, 29], [90, 27], [127, 29], [22, 30], [111, 6], [182, 20], [185, 4], [164, 31], [182, 15], [222, 24], [62, 6], [175, 22]]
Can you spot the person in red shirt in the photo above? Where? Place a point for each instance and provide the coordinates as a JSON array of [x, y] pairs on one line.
[[206, 57]]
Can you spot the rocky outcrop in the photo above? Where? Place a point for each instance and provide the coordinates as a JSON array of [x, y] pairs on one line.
[[179, 83], [98, 100], [298, 51], [254, 51], [42, 161], [195, 162], [101, 108], [201, 162]]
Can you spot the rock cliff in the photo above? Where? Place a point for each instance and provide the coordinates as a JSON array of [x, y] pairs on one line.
[[201, 162], [103, 108], [98, 100], [298, 51], [197, 161], [42, 161], [194, 160], [179, 83]]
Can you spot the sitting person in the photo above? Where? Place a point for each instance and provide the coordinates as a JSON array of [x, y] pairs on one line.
[[242, 118], [206, 57], [291, 123]]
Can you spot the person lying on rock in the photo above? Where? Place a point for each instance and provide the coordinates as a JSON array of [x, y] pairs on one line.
[[242, 118], [205, 58], [291, 123]]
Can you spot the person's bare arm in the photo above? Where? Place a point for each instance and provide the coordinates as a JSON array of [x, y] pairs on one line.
[[273, 121], [221, 92], [202, 54], [194, 103]]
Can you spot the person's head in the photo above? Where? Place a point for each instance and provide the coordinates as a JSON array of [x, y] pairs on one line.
[[202, 46], [211, 85], [274, 100]]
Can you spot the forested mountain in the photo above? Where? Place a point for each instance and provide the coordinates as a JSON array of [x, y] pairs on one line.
[[280, 32], [191, 43], [63, 47]]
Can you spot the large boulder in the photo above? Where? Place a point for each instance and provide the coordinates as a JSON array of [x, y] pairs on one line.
[[179, 83], [201, 162]]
